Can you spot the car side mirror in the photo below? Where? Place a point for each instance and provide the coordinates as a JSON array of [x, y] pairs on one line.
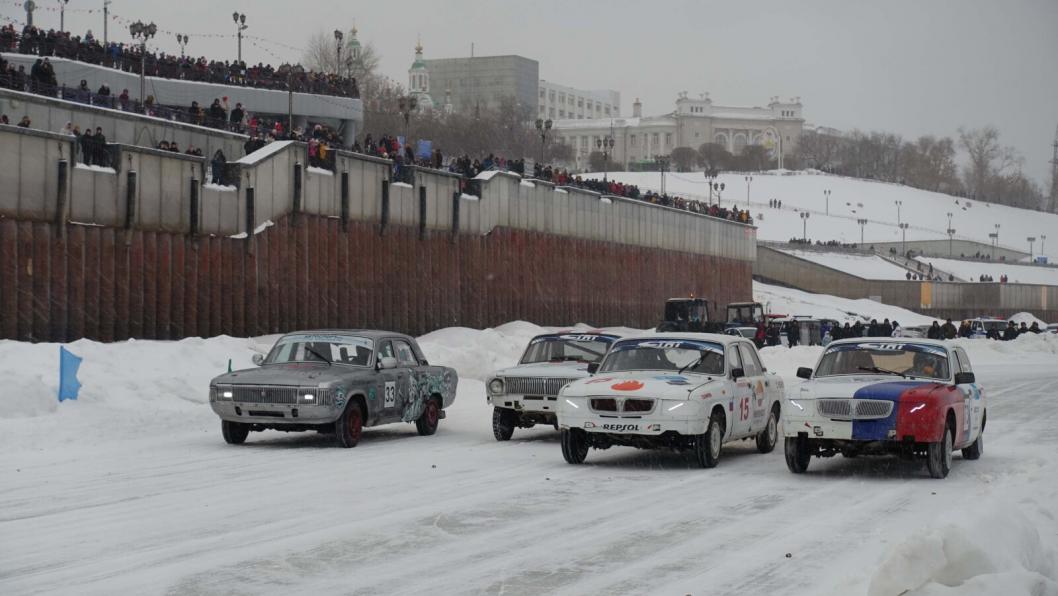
[[258, 359], [737, 373], [593, 367], [387, 362], [804, 372], [964, 378]]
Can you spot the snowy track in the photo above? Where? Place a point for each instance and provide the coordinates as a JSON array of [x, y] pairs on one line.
[[172, 509]]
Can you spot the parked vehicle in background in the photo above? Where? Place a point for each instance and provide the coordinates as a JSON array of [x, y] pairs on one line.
[[911, 398], [1052, 328], [744, 314], [985, 327], [682, 391], [688, 315], [526, 394], [913, 331], [334, 381]]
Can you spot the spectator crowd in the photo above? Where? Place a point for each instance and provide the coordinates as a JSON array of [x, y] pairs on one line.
[[130, 58]]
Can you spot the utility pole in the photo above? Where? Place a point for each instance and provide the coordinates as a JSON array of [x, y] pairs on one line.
[[826, 194], [749, 180], [903, 228], [240, 26], [898, 204], [62, 15], [863, 224], [30, 6], [1054, 175], [106, 22]]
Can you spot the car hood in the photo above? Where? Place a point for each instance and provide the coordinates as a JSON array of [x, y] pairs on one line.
[[558, 370], [656, 384], [300, 374], [868, 387]]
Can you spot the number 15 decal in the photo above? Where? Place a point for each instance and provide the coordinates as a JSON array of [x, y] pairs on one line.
[[743, 408]]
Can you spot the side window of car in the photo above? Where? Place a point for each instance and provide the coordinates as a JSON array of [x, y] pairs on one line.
[[405, 355], [750, 362], [733, 357], [385, 350], [964, 362]]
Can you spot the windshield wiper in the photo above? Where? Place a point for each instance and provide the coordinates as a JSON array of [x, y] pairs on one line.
[[876, 370], [692, 364], [318, 355]]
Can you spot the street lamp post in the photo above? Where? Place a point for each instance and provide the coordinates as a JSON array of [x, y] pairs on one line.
[[30, 6], [62, 15], [542, 128], [106, 22], [903, 229], [996, 244], [1032, 240], [338, 37], [663, 164], [718, 187], [749, 180], [710, 179], [804, 226], [951, 234], [863, 224], [826, 194], [1043, 238], [240, 26], [143, 32], [898, 204], [182, 40], [605, 145], [406, 105]]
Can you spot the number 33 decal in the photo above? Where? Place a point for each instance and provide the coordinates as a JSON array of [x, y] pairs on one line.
[[390, 396]]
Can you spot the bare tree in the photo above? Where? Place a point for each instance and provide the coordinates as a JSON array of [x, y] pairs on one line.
[[321, 55], [684, 158], [988, 159], [714, 157]]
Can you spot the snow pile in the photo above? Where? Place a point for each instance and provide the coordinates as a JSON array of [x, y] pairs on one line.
[[860, 265], [973, 270], [1027, 318], [476, 353], [1027, 344], [787, 301], [993, 550]]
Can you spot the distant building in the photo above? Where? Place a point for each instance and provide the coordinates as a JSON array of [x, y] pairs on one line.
[[694, 123], [485, 82], [558, 102]]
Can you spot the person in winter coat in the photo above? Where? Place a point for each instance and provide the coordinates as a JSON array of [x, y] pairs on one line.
[[217, 165], [872, 329], [102, 156], [964, 329], [759, 336], [948, 330], [793, 333], [236, 117], [1035, 328], [885, 329], [87, 144], [1011, 332], [217, 115]]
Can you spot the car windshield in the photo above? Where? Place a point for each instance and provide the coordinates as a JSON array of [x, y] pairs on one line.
[[336, 349], [897, 358], [567, 347], [705, 358]]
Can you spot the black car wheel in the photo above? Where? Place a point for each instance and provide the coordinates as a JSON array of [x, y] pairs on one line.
[[575, 445], [938, 455], [503, 422], [431, 416], [797, 454], [350, 425], [235, 433], [767, 438]]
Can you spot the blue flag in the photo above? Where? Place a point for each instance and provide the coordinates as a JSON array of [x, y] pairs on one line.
[[424, 150], [68, 383]]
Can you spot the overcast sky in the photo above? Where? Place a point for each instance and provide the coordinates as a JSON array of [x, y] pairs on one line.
[[908, 66]]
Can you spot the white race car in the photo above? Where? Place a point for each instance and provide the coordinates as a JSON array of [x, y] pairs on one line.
[[867, 396], [683, 391], [527, 394]]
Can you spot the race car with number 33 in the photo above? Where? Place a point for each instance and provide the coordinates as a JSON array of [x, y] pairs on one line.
[[681, 391], [908, 397]]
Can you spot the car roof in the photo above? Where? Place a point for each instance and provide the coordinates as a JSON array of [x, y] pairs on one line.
[[369, 333], [569, 332], [711, 337], [899, 340]]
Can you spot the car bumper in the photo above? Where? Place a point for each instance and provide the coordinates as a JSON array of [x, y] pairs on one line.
[[525, 403], [274, 414], [646, 426]]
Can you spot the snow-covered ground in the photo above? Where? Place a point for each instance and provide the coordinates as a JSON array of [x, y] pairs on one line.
[[973, 270], [131, 490], [788, 301], [853, 199], [860, 265]]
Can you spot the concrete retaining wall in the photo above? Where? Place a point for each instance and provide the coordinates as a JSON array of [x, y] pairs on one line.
[[953, 300]]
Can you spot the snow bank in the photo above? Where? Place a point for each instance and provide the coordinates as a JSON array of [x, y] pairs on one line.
[[972, 270], [994, 549], [1027, 318], [780, 300], [860, 265]]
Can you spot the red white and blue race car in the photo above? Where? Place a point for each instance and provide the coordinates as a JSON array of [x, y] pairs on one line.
[[910, 397]]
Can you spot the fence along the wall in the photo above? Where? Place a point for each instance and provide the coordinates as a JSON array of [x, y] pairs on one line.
[[163, 198]]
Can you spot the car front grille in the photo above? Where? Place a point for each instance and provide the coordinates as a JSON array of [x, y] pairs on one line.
[[535, 385], [854, 409], [632, 406], [272, 395]]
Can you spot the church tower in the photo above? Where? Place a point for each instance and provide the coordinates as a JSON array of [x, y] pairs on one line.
[[354, 46], [419, 80]]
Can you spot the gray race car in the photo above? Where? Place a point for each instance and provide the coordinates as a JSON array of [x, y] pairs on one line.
[[334, 381]]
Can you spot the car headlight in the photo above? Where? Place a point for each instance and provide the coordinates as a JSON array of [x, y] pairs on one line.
[[496, 386], [308, 398], [223, 394], [796, 404]]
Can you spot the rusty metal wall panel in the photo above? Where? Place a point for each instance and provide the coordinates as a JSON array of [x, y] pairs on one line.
[[108, 263], [75, 280], [41, 291]]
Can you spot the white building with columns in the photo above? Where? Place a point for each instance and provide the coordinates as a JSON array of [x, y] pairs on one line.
[[694, 122]]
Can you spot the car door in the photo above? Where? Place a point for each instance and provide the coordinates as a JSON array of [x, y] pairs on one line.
[[739, 408], [392, 384], [411, 397], [972, 397], [755, 378]]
